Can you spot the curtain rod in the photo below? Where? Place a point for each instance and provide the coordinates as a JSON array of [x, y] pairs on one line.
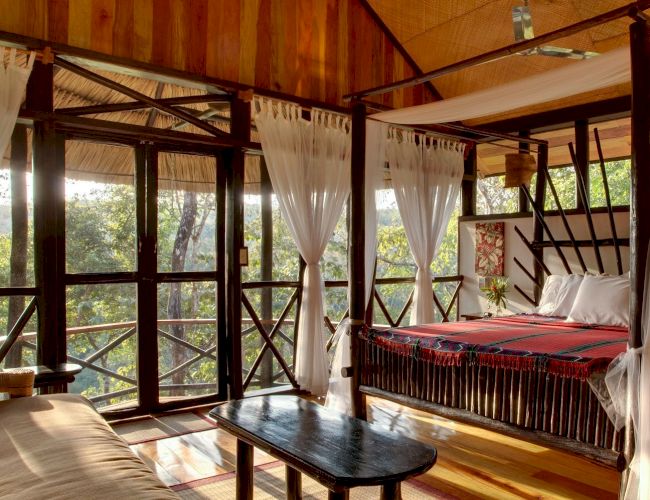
[[633, 9]]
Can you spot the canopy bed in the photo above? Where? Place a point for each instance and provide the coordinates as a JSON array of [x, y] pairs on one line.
[[539, 389]]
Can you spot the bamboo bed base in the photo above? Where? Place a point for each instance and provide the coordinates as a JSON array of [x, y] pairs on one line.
[[534, 405]]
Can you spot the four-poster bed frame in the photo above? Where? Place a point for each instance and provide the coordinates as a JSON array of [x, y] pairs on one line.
[[399, 387]]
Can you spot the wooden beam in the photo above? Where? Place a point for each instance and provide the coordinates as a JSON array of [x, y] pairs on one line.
[[581, 128], [512, 49], [356, 257], [19, 234], [468, 186], [222, 306], [48, 157], [233, 162], [123, 89], [135, 105], [146, 185], [607, 109], [524, 147], [266, 266], [399, 47], [135, 133], [153, 112]]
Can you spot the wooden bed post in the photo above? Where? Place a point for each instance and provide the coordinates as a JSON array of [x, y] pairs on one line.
[[640, 177], [538, 228], [356, 252]]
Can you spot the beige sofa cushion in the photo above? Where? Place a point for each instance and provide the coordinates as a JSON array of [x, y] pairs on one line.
[[58, 447]]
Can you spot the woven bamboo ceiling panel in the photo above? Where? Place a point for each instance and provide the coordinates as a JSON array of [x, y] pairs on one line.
[[438, 33], [614, 138]]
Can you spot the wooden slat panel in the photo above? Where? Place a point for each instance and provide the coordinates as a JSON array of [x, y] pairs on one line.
[[310, 48], [123, 29], [197, 36], [57, 29], [223, 54], [142, 30]]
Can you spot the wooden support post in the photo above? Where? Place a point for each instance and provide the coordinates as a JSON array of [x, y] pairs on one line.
[[146, 185], [538, 229], [234, 161], [266, 269], [48, 156], [524, 147], [468, 185], [19, 226], [356, 253], [222, 309], [582, 157], [640, 201]]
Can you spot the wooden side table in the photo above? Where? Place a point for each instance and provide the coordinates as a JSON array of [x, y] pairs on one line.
[[49, 379]]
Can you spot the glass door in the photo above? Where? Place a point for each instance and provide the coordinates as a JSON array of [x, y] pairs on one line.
[[144, 291], [190, 327]]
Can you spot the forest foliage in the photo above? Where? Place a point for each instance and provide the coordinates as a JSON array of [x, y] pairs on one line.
[[101, 237]]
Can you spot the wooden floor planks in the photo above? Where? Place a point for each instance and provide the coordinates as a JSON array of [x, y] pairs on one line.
[[472, 462]]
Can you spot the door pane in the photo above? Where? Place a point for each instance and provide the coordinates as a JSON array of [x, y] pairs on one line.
[[187, 339], [101, 333], [100, 208], [186, 212]]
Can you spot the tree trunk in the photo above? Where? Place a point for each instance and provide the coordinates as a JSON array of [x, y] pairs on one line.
[[174, 309], [19, 228]]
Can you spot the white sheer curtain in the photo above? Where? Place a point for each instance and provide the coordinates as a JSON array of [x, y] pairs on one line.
[[13, 81], [426, 175], [628, 382], [309, 167], [339, 393]]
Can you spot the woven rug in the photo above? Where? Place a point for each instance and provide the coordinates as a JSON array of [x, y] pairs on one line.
[[270, 484], [154, 428]]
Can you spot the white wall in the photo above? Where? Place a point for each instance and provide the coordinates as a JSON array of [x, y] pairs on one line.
[[471, 298]]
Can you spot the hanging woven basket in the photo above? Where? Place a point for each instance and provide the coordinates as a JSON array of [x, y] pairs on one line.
[[520, 168]]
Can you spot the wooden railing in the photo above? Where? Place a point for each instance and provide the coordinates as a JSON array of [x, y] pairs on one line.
[[271, 331], [268, 336]]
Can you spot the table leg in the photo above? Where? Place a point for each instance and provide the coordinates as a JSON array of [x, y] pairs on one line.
[[391, 491], [294, 484], [244, 471], [338, 495]]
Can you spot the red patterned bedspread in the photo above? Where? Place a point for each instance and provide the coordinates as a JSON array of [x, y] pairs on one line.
[[525, 342]]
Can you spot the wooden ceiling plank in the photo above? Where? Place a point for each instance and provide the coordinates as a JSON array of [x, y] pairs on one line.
[[399, 47]]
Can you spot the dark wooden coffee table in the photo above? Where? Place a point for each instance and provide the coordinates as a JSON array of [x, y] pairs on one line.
[[338, 451]]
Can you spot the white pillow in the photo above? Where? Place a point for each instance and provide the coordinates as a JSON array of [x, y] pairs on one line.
[[602, 300], [547, 303], [558, 298], [566, 295]]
